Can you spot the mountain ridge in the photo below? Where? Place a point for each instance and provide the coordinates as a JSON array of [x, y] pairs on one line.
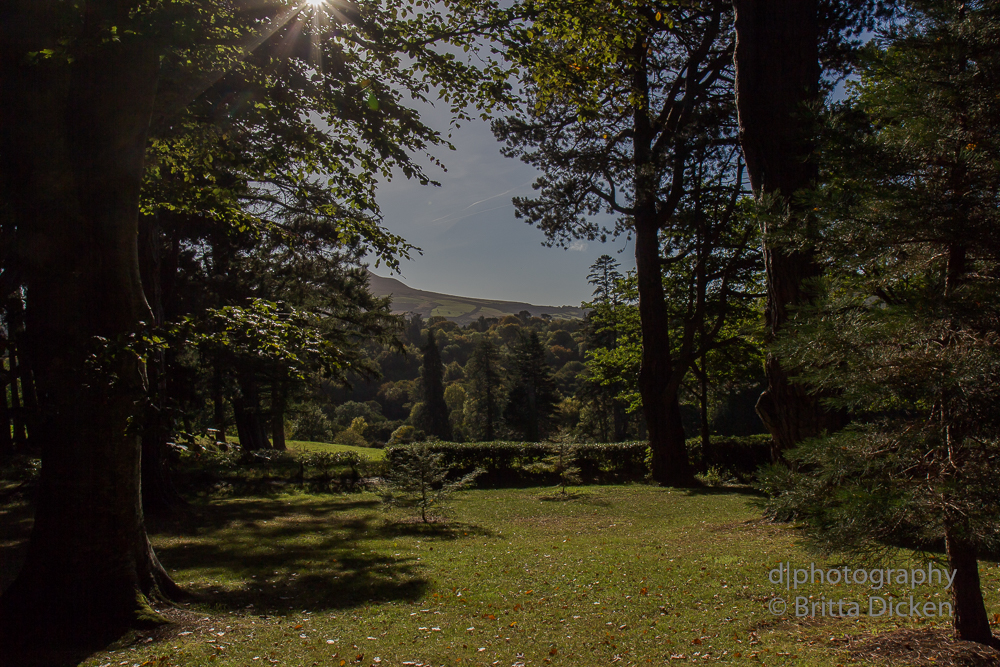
[[459, 309]]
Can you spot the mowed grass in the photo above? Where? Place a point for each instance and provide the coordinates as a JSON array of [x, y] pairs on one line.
[[629, 575], [371, 453]]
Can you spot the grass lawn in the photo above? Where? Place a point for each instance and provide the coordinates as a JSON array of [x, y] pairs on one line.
[[371, 453], [627, 575]]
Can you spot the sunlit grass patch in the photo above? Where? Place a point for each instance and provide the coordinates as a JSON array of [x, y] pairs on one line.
[[371, 453], [617, 576]]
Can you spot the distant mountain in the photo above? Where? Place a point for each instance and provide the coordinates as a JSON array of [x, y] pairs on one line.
[[460, 309]]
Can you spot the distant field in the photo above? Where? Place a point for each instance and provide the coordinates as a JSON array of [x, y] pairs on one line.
[[326, 447], [308, 446]]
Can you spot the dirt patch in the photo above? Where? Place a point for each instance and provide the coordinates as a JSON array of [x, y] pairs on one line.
[[933, 646]]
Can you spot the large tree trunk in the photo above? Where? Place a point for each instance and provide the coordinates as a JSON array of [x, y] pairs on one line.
[[6, 442], [23, 406], [660, 407], [777, 79], [78, 156], [971, 621], [159, 495], [278, 416], [248, 414]]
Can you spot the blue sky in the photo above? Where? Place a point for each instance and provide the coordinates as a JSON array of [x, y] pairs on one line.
[[472, 244]]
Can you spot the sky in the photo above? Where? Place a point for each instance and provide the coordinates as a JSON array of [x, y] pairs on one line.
[[472, 243]]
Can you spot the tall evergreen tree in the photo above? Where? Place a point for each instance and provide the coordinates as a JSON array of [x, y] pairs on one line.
[[603, 275], [531, 403], [433, 415], [484, 383], [782, 50], [906, 327]]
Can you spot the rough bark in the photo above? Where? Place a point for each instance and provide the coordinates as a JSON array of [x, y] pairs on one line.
[[248, 414], [971, 621], [78, 161], [6, 442], [777, 78], [660, 407], [159, 495], [660, 403], [218, 404], [278, 416]]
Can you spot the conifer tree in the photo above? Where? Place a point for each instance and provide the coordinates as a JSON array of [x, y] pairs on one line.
[[906, 327], [531, 403], [433, 417], [484, 406]]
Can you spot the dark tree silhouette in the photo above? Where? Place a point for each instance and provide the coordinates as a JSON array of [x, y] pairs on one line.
[[531, 403], [484, 383], [433, 418]]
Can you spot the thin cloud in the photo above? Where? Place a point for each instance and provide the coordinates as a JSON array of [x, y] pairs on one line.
[[445, 218]]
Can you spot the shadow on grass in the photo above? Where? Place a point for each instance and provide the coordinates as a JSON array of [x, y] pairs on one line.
[[16, 519], [434, 530], [275, 556], [581, 497]]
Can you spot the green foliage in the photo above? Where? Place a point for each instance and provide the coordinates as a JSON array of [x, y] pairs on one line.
[[903, 331], [434, 415], [359, 426], [561, 463], [532, 398], [266, 331], [615, 349], [351, 438], [265, 472], [505, 463], [418, 480], [403, 435], [346, 413], [311, 423], [484, 406]]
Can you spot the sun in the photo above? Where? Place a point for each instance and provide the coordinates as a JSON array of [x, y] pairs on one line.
[[315, 3]]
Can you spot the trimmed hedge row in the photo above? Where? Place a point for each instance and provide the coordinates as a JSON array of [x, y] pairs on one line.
[[506, 462]]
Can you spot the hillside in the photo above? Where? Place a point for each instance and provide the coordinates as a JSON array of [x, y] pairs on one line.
[[460, 309]]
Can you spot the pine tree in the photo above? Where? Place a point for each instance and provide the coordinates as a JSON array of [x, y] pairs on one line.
[[420, 483], [603, 275], [484, 406], [433, 417], [906, 327], [532, 400]]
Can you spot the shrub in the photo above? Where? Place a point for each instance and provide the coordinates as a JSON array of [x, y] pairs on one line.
[[403, 435], [418, 481], [351, 438], [507, 463], [313, 425], [561, 463], [738, 456]]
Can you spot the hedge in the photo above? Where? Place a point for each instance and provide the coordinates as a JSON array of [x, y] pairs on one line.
[[505, 462]]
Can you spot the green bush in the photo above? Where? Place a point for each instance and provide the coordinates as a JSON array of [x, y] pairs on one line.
[[402, 435], [351, 438], [511, 463]]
